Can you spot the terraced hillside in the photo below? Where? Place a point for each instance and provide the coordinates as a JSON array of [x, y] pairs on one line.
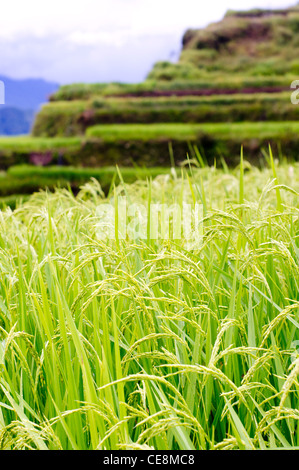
[[237, 70], [230, 87]]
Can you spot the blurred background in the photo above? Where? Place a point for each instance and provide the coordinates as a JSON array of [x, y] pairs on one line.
[[43, 45]]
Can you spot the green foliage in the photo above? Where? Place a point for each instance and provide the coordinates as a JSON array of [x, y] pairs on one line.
[[138, 344], [242, 131], [27, 179], [13, 201]]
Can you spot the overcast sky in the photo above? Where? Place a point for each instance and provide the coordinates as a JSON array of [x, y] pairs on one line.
[[102, 40]]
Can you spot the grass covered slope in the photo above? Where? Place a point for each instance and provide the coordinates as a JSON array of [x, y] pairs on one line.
[[151, 145], [138, 344], [252, 44], [231, 87]]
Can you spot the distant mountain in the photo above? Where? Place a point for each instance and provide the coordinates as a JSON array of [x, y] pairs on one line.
[[23, 99], [27, 94]]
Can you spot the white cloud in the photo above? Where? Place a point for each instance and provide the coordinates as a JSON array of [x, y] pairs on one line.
[[93, 38], [100, 40], [57, 16]]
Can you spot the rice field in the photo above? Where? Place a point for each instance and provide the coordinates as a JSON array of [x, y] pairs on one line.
[[142, 343]]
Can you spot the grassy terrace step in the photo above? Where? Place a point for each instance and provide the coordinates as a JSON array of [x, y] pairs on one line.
[[207, 83], [111, 133], [227, 131], [83, 174], [25, 149], [148, 145], [13, 200], [27, 143], [214, 140], [74, 117]]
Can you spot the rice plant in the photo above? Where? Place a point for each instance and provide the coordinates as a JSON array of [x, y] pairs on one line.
[[124, 343]]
